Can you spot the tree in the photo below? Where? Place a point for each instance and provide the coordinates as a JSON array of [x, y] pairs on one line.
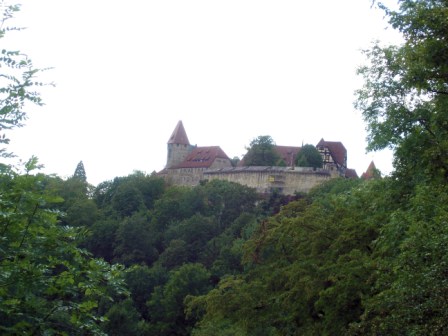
[[261, 152], [148, 187], [141, 281], [309, 156], [166, 305], [80, 172], [235, 160], [48, 284], [122, 319], [307, 269], [410, 296], [78, 207], [135, 241], [18, 81], [127, 200], [404, 99]]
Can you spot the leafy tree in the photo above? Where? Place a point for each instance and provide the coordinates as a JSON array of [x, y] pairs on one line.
[[309, 156], [127, 200], [261, 152], [128, 194], [166, 305], [79, 208], [122, 319], [101, 240], [81, 213], [134, 241], [47, 283], [410, 297], [228, 200], [235, 160], [404, 99], [195, 232], [176, 254], [405, 102], [141, 281], [307, 269], [18, 81]]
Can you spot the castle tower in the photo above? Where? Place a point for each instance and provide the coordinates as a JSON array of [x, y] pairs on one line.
[[178, 146]]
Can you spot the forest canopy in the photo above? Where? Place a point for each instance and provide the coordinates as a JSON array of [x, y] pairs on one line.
[[137, 256]]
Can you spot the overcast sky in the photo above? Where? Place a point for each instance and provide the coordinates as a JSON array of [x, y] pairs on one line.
[[127, 71]]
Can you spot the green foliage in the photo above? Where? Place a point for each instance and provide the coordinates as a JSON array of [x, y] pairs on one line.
[[261, 152], [307, 269], [114, 195], [135, 241], [204, 226], [352, 257], [141, 281], [357, 257], [18, 81], [176, 254], [127, 200], [79, 209], [404, 99], [235, 160], [309, 156], [410, 297], [228, 200], [101, 240], [166, 305], [47, 284], [83, 212], [122, 319]]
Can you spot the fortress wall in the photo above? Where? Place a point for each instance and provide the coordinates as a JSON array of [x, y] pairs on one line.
[[265, 179], [185, 176]]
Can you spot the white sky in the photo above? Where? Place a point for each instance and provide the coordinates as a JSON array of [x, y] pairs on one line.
[[127, 71]]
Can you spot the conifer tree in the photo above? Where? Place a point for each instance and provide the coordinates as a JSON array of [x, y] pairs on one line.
[[80, 172]]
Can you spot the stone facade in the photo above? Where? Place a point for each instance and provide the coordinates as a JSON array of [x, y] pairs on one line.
[[191, 176], [265, 180], [188, 165]]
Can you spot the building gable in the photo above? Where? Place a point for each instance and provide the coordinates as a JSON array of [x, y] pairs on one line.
[[334, 148], [204, 157]]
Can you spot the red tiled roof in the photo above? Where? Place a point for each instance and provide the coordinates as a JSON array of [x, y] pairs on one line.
[[179, 135], [337, 150], [351, 173], [202, 157], [288, 154]]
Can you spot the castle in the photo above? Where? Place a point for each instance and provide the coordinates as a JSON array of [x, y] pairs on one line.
[[187, 165]]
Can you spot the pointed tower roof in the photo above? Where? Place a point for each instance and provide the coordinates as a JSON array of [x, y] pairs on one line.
[[179, 135], [370, 172]]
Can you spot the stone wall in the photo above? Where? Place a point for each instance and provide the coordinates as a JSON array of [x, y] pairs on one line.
[[191, 176], [266, 179], [184, 176]]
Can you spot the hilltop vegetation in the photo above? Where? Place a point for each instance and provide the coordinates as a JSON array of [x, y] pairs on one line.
[[135, 256]]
